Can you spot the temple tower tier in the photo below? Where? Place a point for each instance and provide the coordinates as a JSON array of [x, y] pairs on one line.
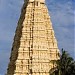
[[35, 47]]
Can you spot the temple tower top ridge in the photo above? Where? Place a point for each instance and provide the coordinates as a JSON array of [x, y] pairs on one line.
[[43, 1]]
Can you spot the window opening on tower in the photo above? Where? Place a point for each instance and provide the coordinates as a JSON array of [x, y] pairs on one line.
[[30, 71], [36, 3]]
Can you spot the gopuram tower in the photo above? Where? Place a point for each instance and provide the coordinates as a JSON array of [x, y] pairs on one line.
[[34, 47]]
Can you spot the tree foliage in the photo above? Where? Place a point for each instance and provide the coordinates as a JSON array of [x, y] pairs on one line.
[[65, 66]]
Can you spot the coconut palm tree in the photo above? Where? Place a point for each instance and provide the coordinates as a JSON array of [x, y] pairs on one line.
[[65, 66]]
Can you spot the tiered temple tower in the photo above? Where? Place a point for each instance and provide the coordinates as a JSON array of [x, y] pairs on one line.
[[34, 47]]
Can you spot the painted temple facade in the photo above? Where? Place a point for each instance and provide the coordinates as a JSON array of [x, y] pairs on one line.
[[35, 47]]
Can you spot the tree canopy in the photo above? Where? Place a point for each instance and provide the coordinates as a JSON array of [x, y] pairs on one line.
[[65, 65]]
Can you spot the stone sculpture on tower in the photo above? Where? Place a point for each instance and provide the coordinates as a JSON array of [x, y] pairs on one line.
[[35, 46]]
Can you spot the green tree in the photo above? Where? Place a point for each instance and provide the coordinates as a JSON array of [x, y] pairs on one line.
[[65, 66]]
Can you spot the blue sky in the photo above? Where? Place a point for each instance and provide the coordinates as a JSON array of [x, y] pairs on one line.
[[62, 17]]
